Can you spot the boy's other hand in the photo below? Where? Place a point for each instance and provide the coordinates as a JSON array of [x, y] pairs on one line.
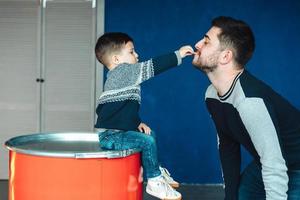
[[144, 128], [186, 51]]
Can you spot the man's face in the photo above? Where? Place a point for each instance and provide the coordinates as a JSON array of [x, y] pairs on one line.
[[208, 51], [128, 54]]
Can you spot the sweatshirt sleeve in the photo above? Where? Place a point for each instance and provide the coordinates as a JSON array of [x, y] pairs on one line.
[[229, 149], [230, 157], [260, 121]]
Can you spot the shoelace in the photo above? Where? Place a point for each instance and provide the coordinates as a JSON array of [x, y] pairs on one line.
[[168, 189], [167, 174], [165, 171]]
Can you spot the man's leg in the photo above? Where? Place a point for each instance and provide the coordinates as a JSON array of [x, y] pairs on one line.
[[294, 185], [251, 183]]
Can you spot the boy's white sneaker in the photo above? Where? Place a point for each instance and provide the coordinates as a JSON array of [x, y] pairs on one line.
[[162, 190], [167, 176]]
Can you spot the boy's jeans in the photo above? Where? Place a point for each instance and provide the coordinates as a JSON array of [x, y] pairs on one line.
[[121, 140], [252, 187]]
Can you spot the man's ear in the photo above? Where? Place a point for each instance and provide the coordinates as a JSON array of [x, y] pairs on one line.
[[226, 56]]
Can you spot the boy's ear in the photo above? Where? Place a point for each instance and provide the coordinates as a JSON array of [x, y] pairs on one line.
[[115, 59], [226, 56]]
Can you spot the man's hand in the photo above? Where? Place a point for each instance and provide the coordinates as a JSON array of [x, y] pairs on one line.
[[186, 51], [144, 128]]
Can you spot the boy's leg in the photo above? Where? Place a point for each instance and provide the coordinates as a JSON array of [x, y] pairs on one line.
[[156, 185], [251, 183], [153, 135], [130, 140], [164, 172]]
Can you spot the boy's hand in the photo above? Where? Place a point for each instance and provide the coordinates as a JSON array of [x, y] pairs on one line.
[[144, 128], [186, 51]]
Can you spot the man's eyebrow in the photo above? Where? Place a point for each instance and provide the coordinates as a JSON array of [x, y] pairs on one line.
[[206, 36]]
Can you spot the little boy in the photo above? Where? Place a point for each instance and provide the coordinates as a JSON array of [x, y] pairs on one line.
[[118, 108]]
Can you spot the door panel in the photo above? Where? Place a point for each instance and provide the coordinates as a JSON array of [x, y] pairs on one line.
[[69, 67], [19, 91]]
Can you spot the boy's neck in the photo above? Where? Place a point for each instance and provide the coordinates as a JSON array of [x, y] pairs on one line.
[[111, 67]]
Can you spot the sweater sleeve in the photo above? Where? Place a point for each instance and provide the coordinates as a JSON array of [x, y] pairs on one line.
[[165, 62], [128, 77], [157, 65]]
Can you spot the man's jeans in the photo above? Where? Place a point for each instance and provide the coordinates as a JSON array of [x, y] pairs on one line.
[[120, 140], [252, 187]]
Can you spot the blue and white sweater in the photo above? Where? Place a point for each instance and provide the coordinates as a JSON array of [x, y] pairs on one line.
[[118, 106]]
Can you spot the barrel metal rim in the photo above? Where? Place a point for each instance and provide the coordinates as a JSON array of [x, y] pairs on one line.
[[39, 142]]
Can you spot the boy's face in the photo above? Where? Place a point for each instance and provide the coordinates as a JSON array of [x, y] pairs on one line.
[[128, 54]]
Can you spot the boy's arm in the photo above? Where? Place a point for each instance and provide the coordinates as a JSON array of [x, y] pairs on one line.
[[130, 75], [159, 64], [165, 62]]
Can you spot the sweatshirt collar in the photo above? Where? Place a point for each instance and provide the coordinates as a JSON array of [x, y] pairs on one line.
[[228, 93]]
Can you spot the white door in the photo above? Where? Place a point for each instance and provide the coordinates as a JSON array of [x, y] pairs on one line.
[[69, 66], [19, 68], [52, 41]]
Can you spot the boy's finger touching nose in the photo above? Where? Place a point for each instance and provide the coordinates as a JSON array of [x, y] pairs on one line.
[[190, 50]]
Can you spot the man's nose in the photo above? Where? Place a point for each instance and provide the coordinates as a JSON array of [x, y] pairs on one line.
[[198, 45]]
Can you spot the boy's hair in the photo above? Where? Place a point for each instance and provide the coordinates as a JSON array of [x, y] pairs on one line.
[[110, 43], [238, 36]]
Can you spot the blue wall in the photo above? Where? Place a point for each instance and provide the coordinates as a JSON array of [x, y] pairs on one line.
[[173, 103]]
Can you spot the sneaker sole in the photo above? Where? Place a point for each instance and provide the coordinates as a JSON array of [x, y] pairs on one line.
[[149, 192], [174, 185]]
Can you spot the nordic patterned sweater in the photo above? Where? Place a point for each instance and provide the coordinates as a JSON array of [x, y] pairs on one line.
[[118, 105], [268, 126]]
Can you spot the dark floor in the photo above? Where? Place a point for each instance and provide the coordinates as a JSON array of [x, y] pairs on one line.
[[196, 192], [188, 191]]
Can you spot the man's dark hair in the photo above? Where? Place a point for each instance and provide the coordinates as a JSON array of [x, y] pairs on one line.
[[110, 43], [237, 35]]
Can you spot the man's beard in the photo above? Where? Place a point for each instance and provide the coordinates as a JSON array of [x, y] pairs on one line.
[[205, 68], [208, 65]]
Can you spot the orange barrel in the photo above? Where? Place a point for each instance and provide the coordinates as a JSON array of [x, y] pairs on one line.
[[71, 166]]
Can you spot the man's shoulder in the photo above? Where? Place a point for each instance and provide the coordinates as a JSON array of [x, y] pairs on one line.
[[211, 92], [253, 86]]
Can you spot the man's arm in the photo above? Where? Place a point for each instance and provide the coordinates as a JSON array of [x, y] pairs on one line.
[[230, 156], [260, 122], [229, 149]]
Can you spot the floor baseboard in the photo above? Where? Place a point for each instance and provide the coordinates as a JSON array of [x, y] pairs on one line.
[[188, 191]]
